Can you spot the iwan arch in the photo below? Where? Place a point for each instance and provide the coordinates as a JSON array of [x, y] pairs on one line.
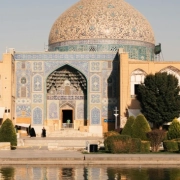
[[66, 94], [96, 58]]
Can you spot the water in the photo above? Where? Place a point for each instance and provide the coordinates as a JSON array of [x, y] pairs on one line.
[[37, 172]]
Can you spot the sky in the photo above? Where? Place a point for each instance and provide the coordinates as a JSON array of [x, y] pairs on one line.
[[25, 25]]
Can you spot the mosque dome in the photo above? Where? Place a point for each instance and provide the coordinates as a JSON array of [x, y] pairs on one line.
[[102, 25]]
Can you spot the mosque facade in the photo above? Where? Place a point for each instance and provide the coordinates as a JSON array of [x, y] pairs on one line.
[[99, 51]]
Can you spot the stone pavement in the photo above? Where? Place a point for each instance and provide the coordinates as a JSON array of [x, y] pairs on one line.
[[62, 157], [58, 143]]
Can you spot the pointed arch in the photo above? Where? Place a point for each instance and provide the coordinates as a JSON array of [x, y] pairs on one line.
[[138, 71], [67, 104], [68, 86], [57, 78], [170, 69], [173, 71], [77, 67]]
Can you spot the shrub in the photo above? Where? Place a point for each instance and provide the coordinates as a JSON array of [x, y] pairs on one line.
[[7, 133], [117, 144], [107, 139], [174, 130], [107, 142], [127, 130], [126, 144], [170, 145], [111, 133], [178, 139], [178, 142], [140, 128], [135, 145], [145, 146], [156, 136]]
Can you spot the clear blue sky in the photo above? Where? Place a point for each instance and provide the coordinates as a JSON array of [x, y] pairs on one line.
[[25, 25]]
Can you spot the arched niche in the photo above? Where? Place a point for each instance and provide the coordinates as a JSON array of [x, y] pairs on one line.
[[68, 86], [66, 80], [95, 83], [37, 83], [37, 116], [95, 116]]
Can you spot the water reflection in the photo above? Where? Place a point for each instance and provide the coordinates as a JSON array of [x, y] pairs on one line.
[[7, 173], [88, 173], [67, 173]]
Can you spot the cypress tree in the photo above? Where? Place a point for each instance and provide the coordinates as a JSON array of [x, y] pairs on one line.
[[8, 133], [127, 130], [174, 130], [140, 128]]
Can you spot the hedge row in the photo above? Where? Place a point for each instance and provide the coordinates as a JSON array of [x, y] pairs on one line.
[[145, 146], [126, 144], [171, 145]]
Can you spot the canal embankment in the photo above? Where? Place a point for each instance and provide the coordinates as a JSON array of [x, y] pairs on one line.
[[68, 157]]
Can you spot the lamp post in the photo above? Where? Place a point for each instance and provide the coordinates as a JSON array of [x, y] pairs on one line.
[[116, 115]]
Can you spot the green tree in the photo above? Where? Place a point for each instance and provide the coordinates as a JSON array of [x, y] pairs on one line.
[[159, 98], [140, 128], [8, 133], [174, 130], [127, 130]]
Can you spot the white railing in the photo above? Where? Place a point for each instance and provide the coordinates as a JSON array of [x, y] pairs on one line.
[[67, 125]]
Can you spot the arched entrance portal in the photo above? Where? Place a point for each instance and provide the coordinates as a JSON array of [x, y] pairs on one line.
[[67, 88], [67, 115]]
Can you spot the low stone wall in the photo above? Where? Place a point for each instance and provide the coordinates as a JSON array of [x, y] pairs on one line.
[[5, 146]]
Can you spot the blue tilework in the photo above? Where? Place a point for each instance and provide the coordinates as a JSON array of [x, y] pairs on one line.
[[58, 56]]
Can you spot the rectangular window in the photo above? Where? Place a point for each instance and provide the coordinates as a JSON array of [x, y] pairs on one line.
[[136, 86]]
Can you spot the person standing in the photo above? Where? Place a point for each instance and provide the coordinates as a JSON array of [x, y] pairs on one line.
[[32, 133], [43, 132]]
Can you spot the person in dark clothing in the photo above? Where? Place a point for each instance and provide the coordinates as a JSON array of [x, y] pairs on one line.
[[43, 132], [32, 132], [29, 130]]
